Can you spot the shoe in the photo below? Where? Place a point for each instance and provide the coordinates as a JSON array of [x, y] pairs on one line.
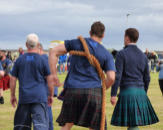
[[55, 95], [1, 100]]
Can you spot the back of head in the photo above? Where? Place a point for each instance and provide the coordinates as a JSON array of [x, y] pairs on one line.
[[32, 41], [97, 29], [3, 52], [132, 34]]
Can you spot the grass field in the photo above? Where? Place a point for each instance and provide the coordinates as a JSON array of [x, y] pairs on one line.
[[7, 112]]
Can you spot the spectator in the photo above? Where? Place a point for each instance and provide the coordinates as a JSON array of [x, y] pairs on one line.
[[31, 70]]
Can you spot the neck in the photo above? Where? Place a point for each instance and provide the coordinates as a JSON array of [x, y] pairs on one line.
[[32, 50], [130, 43], [97, 39]]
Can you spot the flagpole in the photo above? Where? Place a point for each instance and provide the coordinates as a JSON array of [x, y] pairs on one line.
[[127, 18]]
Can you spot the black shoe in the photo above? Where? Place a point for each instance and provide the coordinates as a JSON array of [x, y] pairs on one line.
[[55, 95], [1, 100]]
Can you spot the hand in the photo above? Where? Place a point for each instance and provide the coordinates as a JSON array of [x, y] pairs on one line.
[[50, 100], [56, 81], [13, 101], [113, 100]]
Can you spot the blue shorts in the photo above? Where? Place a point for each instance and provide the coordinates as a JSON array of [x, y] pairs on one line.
[[36, 113]]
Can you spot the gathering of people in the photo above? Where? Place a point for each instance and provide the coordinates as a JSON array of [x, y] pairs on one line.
[[127, 74]]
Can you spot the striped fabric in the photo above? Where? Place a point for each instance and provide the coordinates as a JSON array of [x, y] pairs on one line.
[[133, 108], [4, 82], [81, 107]]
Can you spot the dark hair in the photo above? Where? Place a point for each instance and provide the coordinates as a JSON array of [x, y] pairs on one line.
[[114, 53], [3, 51], [132, 34], [97, 29]]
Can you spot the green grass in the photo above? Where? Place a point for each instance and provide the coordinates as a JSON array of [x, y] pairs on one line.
[[7, 112]]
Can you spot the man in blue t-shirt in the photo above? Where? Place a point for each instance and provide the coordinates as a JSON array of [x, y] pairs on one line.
[[83, 96], [31, 70], [45, 58], [4, 81]]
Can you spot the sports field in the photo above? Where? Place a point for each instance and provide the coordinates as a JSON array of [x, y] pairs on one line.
[[7, 112]]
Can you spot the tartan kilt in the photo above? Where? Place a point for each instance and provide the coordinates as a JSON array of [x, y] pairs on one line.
[[133, 108], [82, 107], [5, 82]]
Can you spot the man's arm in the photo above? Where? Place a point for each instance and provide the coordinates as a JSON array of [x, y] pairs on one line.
[[13, 99], [53, 59], [50, 85], [119, 66], [110, 78], [49, 80], [146, 77]]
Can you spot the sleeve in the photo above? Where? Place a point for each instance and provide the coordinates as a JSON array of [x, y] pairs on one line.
[[9, 66], [46, 67], [1, 68], [71, 45], [119, 66], [15, 69], [146, 76], [109, 63]]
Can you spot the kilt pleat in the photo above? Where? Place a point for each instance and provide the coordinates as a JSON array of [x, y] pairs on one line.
[[81, 107], [133, 108]]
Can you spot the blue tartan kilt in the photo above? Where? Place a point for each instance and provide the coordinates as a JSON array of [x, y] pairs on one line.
[[133, 108]]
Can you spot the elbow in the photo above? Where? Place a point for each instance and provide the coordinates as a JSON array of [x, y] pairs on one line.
[[53, 52], [112, 80]]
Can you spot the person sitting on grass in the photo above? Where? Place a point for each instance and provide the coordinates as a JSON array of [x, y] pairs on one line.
[[31, 70], [133, 107]]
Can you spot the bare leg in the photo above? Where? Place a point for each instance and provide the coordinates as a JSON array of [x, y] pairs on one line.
[[1, 96], [67, 126], [1, 92]]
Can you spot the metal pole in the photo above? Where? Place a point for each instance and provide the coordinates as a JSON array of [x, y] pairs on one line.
[[127, 18]]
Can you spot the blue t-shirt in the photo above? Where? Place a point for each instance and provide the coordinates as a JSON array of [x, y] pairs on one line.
[[81, 73], [45, 58], [7, 65], [62, 59], [160, 68], [31, 70], [1, 68]]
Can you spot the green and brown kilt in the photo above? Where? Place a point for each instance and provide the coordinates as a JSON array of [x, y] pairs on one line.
[[133, 108], [82, 106]]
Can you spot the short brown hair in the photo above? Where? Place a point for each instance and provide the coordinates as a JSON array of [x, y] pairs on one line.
[[132, 34], [97, 29]]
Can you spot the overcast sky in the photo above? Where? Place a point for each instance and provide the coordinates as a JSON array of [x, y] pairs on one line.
[[66, 19]]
